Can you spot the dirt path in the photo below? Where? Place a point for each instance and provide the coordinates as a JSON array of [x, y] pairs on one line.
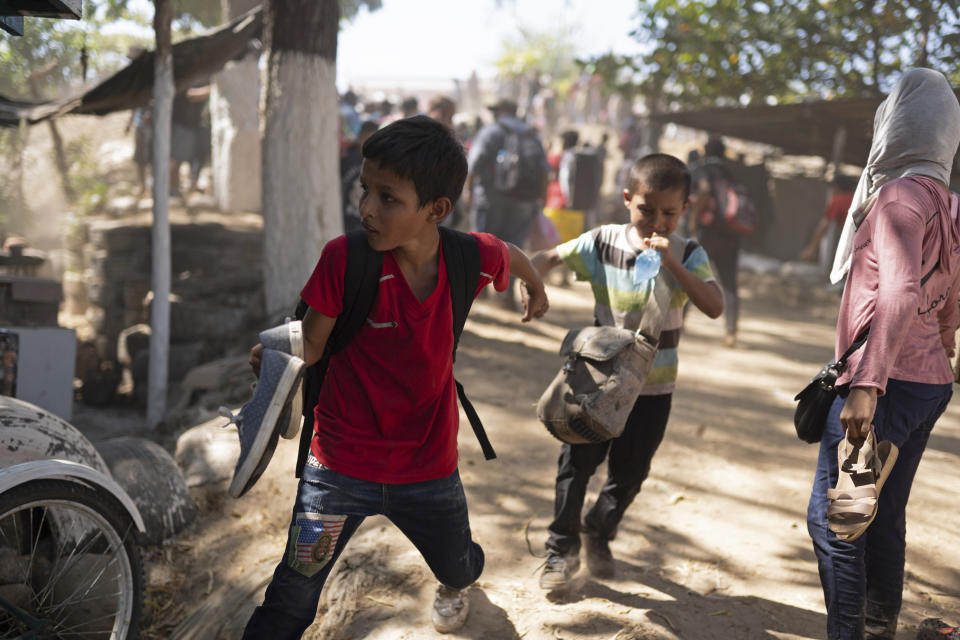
[[715, 546]]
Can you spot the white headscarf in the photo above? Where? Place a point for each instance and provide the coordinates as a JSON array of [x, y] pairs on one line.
[[915, 133]]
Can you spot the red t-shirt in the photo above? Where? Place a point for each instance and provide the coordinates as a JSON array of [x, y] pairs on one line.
[[838, 206], [388, 407]]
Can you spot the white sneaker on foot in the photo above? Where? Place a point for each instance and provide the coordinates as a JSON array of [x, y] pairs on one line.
[[450, 609]]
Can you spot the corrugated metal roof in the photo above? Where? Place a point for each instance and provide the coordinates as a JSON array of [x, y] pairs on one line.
[[805, 129]]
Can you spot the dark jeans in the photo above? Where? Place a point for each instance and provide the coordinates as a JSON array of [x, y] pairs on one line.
[[505, 218], [508, 219], [329, 508], [863, 580], [724, 253], [628, 464]]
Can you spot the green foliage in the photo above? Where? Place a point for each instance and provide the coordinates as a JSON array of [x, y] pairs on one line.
[[716, 52], [192, 16], [48, 60], [90, 186], [549, 53], [12, 206]]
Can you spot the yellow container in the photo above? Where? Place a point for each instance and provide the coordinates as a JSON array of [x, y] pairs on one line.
[[569, 223]]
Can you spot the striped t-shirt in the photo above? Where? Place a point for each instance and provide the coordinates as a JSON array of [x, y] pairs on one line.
[[605, 257]]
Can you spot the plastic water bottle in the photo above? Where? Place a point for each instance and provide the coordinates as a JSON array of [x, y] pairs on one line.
[[647, 266]]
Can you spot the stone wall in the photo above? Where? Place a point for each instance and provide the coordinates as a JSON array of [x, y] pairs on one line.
[[217, 287]]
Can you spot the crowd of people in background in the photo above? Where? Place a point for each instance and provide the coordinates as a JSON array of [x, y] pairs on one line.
[[567, 173]]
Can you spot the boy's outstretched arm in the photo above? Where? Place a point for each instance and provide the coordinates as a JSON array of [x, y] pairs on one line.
[[534, 296], [707, 296], [316, 330], [544, 261]]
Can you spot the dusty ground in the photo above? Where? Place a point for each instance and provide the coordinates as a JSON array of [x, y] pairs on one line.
[[715, 546]]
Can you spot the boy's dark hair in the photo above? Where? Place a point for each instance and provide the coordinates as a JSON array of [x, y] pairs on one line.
[[569, 139], [424, 151], [659, 172]]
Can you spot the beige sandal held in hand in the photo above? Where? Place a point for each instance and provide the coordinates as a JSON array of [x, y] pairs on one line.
[[864, 467]]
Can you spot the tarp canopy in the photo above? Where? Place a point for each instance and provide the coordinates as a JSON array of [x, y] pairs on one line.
[[808, 128], [132, 86]]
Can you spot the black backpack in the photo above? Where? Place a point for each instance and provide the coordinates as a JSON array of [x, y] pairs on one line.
[[361, 280], [520, 169], [733, 203]]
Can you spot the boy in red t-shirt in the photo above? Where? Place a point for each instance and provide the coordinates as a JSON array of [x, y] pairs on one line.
[[385, 439]]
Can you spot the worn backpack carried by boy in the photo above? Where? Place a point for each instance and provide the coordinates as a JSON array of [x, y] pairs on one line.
[[521, 166], [361, 280], [591, 397]]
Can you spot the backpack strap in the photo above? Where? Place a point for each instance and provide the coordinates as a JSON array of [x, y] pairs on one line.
[[461, 254], [462, 257], [360, 282]]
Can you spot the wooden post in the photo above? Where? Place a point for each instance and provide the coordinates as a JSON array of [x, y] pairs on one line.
[[839, 146], [163, 90], [828, 244]]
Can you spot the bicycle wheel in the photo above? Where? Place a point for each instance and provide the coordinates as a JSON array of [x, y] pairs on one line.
[[69, 564]]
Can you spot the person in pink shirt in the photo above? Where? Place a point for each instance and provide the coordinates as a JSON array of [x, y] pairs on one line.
[[898, 252]]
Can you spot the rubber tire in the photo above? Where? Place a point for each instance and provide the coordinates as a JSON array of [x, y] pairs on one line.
[[152, 479], [105, 505]]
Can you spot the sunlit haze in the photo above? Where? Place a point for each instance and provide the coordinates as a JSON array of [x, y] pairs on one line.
[[426, 43]]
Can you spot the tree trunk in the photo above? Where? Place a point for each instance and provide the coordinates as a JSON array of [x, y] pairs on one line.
[[926, 23], [160, 236], [235, 126], [301, 186], [653, 129], [59, 155]]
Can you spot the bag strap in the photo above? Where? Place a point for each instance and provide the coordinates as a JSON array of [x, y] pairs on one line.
[[860, 339], [361, 280], [462, 257], [658, 304], [461, 253]]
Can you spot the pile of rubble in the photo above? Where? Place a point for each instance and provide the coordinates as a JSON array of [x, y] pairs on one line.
[[216, 300]]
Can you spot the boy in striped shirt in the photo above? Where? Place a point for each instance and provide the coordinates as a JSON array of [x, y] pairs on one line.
[[656, 195]]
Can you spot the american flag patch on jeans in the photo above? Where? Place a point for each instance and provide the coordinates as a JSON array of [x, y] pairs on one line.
[[314, 537]]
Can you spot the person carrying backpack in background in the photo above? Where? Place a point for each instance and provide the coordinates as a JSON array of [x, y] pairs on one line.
[[655, 196], [385, 438], [708, 224], [507, 181]]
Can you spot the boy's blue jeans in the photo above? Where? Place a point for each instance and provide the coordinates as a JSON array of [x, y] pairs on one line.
[[863, 580], [329, 508]]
